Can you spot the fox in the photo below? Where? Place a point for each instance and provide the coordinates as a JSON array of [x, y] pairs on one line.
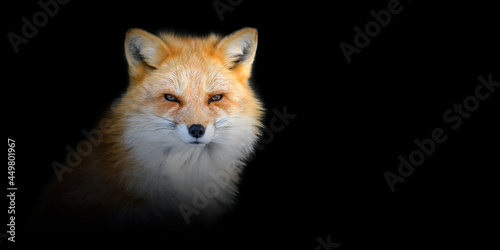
[[178, 138]]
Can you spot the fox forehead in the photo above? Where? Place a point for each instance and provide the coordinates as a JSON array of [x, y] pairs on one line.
[[190, 75], [191, 64], [179, 44]]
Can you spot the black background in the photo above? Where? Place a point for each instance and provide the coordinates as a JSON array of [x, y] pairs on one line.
[[322, 176]]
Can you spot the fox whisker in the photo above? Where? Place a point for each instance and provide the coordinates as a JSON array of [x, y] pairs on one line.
[[223, 123]]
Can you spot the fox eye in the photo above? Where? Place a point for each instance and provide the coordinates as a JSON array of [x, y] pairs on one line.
[[171, 98], [215, 98]]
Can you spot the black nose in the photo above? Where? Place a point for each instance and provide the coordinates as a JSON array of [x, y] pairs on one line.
[[196, 130]]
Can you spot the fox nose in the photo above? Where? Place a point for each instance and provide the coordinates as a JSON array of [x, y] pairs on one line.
[[196, 130]]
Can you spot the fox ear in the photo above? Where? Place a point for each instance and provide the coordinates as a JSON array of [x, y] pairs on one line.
[[143, 49], [237, 50]]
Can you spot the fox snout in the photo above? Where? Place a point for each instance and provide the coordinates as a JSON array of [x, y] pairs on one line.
[[195, 134], [196, 130]]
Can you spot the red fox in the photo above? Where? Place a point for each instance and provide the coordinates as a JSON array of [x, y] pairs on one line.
[[178, 139]]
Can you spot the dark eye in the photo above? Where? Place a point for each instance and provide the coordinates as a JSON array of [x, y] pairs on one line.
[[171, 98], [215, 98]]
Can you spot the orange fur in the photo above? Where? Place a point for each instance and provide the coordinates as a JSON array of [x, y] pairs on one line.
[[193, 69]]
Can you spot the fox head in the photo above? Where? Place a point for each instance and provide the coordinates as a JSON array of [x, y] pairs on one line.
[[191, 91]]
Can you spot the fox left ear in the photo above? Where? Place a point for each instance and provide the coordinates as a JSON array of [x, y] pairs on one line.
[[237, 50], [143, 49]]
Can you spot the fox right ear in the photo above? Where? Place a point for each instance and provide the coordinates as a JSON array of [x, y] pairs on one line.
[[237, 50], [143, 49]]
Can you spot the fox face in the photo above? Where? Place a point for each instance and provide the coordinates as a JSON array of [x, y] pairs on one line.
[[178, 137], [195, 87], [189, 114]]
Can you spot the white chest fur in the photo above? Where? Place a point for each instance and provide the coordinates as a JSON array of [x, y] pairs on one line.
[[169, 173]]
